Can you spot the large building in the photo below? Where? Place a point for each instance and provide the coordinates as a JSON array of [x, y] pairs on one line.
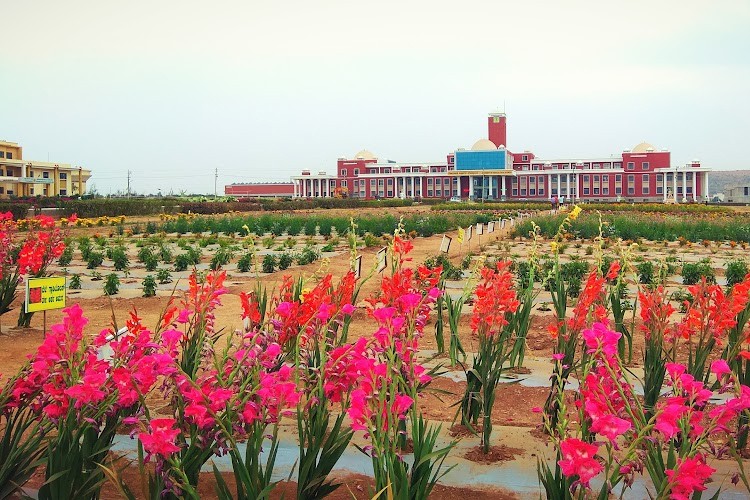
[[490, 171], [19, 177]]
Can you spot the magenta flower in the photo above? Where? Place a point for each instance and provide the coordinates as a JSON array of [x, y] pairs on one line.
[[720, 368], [160, 440], [579, 460], [347, 309], [689, 476]]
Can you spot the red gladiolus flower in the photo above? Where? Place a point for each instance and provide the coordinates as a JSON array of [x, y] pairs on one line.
[[496, 297]]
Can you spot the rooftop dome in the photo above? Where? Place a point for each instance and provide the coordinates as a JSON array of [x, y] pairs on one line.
[[643, 147], [365, 155], [484, 145]]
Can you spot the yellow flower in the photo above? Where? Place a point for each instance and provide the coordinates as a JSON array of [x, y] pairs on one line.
[[303, 294], [553, 246], [575, 212]]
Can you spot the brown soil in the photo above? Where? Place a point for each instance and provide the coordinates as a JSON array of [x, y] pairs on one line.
[[495, 454]]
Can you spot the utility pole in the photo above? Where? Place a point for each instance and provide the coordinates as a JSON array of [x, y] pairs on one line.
[[216, 178], [129, 174]]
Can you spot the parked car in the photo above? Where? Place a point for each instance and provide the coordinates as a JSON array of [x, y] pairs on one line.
[[455, 199]]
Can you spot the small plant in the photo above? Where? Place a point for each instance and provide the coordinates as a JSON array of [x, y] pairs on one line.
[[165, 254], [151, 262], [466, 261], [589, 250], [149, 286], [221, 258], [372, 240], [150, 228], [290, 242], [75, 282], [308, 255], [120, 258], [111, 284], [285, 260], [268, 241], [736, 272], [66, 256], [182, 262], [646, 272], [245, 263], [164, 276], [327, 248], [269, 263], [693, 272], [144, 254], [96, 276], [94, 260]]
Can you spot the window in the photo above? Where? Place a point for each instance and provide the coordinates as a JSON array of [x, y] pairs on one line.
[[9, 156], [541, 191], [631, 179], [618, 190], [429, 193], [515, 192], [585, 179], [605, 179], [596, 190], [372, 183], [45, 175], [2, 154], [746, 190], [618, 178], [645, 165], [525, 158], [688, 176], [390, 182], [605, 191], [631, 191], [380, 182], [689, 190], [450, 160], [618, 164], [356, 172], [438, 192], [343, 183], [390, 194], [532, 192], [343, 172], [540, 179], [596, 179], [1, 173], [523, 192], [387, 170], [333, 184], [63, 176], [585, 190], [429, 181], [631, 165]]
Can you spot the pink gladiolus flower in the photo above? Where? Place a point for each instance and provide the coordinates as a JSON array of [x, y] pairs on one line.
[[325, 311], [184, 316], [402, 404], [610, 426], [160, 440], [284, 309], [600, 336], [689, 476], [668, 419], [720, 367], [347, 309], [578, 460], [409, 301], [675, 370]]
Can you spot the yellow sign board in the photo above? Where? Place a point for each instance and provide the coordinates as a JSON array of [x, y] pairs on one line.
[[43, 294]]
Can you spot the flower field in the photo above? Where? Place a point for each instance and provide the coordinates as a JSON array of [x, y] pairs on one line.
[[585, 365]]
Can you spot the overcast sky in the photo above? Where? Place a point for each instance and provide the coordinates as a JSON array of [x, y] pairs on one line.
[[263, 89]]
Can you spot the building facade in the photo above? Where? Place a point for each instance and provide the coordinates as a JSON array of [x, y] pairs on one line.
[[490, 171], [260, 190], [739, 193], [19, 177]]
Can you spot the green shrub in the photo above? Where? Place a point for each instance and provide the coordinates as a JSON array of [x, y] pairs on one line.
[[149, 286], [693, 272], [245, 263], [144, 253], [221, 258], [151, 228], [328, 248], [165, 254], [269, 263], [120, 258], [285, 260], [151, 262], [164, 276], [182, 261], [645, 272], [449, 271], [94, 260], [371, 240], [736, 272], [66, 256], [111, 284], [308, 255], [75, 282]]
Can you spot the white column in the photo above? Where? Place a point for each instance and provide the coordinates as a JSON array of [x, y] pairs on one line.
[[559, 192], [684, 187], [471, 186], [501, 179], [695, 185], [567, 182], [706, 195], [674, 186]]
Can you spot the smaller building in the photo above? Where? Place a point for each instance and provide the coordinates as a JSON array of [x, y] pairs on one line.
[[260, 190], [19, 177], [737, 194]]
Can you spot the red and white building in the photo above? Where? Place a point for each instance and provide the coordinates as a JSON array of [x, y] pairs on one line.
[[492, 172]]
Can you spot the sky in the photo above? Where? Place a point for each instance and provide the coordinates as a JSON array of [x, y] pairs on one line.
[[259, 90]]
